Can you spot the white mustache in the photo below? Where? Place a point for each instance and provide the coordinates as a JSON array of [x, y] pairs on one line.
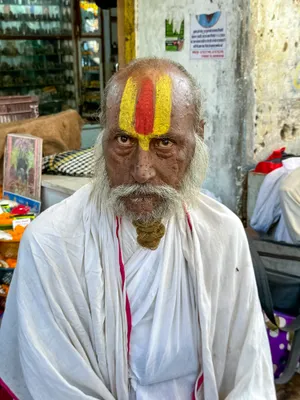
[[165, 192]]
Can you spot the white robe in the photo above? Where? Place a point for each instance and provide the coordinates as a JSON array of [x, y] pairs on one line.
[[290, 204], [165, 340], [268, 210], [67, 323]]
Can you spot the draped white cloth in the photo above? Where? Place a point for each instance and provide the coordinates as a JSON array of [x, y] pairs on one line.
[[67, 323], [290, 204], [268, 210], [165, 337]]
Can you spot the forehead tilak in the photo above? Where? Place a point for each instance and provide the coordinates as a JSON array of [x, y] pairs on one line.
[[145, 109]]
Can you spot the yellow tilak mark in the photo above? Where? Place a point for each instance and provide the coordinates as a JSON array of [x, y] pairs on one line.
[[127, 107], [163, 106], [144, 141]]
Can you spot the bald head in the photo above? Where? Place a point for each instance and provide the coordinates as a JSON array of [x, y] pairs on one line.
[[185, 91]]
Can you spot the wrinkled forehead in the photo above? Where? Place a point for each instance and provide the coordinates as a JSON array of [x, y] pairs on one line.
[[151, 103]]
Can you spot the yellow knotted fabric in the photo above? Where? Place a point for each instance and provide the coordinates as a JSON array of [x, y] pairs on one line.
[[149, 234]]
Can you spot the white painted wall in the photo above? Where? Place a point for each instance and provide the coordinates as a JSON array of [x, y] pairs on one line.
[[220, 81], [276, 46]]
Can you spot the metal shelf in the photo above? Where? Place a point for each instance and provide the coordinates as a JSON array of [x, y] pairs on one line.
[[36, 85], [89, 54], [95, 35], [34, 55], [7, 71], [45, 4], [97, 72], [36, 37], [34, 20]]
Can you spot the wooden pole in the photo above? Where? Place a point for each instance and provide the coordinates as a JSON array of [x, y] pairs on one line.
[[126, 32]]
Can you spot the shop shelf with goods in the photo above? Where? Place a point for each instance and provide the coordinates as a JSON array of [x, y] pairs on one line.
[[37, 53], [35, 18], [12, 227], [91, 60], [91, 78], [58, 50]]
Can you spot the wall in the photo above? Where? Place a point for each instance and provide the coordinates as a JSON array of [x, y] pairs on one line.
[[222, 83], [276, 75]]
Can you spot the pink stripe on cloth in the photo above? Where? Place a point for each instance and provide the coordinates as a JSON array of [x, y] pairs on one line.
[[5, 392], [188, 217], [122, 272], [198, 385], [189, 221], [200, 379]]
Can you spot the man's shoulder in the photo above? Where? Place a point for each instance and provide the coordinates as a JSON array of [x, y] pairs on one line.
[[63, 220], [222, 240], [214, 210], [212, 217]]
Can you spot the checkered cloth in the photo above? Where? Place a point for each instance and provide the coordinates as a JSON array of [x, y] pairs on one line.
[[72, 163]]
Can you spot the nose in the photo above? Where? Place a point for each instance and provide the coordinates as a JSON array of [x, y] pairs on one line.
[[143, 170]]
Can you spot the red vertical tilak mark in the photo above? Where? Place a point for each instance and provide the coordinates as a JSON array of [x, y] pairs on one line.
[[144, 109]]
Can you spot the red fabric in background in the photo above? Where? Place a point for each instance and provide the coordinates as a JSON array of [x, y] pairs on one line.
[[264, 167]]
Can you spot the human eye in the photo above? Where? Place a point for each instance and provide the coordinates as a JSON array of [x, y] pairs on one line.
[[164, 143], [124, 140]]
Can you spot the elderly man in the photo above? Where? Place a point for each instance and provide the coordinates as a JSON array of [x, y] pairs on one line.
[[137, 286]]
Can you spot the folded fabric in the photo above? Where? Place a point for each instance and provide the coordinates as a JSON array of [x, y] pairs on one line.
[[268, 208], [72, 163], [273, 162]]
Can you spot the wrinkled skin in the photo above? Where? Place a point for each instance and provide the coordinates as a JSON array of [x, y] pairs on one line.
[[168, 157]]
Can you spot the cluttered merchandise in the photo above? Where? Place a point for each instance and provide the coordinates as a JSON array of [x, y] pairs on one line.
[[29, 144], [20, 202], [14, 219]]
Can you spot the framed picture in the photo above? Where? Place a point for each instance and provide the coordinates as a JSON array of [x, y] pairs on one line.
[[23, 170]]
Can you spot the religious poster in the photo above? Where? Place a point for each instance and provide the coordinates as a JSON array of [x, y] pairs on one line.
[[208, 36], [23, 170], [174, 39]]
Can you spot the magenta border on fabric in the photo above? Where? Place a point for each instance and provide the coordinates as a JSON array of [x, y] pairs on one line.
[[200, 378], [199, 383], [122, 272], [189, 221], [188, 217], [7, 389]]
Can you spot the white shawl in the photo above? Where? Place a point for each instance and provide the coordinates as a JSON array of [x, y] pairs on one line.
[[65, 330], [165, 337]]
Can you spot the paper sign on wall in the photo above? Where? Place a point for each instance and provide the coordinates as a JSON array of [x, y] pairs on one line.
[[208, 35]]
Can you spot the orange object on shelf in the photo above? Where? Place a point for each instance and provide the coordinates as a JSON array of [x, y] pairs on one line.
[[9, 248], [5, 219], [12, 262], [17, 233]]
